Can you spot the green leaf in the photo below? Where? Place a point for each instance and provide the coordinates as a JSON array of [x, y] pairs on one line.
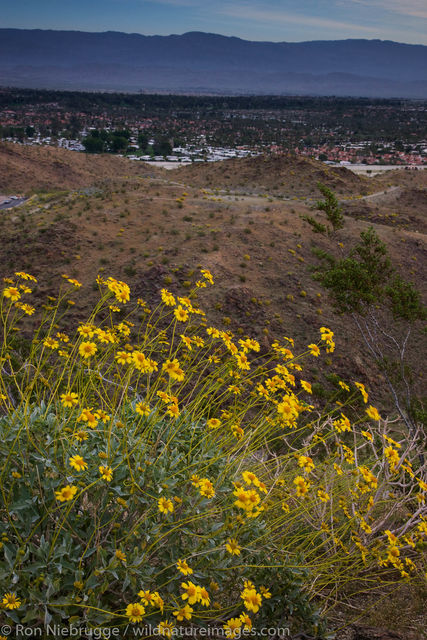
[[9, 556]]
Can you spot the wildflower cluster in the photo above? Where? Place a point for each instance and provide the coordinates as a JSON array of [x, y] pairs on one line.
[[163, 471]]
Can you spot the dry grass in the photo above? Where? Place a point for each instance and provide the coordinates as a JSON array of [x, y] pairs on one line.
[[279, 174], [26, 169], [394, 613]]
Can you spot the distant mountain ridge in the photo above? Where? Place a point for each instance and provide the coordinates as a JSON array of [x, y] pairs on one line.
[[205, 62]]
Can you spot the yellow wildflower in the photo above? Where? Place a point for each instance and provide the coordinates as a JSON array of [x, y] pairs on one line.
[[80, 435], [66, 493], [26, 308], [213, 423], [362, 390], [187, 341], [12, 293], [25, 276], [87, 349], [306, 463], [342, 424], [314, 350], [306, 386], [142, 408], [372, 413], [135, 611], [184, 613], [207, 274], [183, 567], [166, 628], [51, 343], [69, 399], [249, 477], [173, 369], [266, 594], [323, 495], [11, 601], [120, 555], [251, 599], [392, 457], [191, 592], [233, 628], [206, 488], [106, 473], [173, 410], [246, 620], [165, 505], [204, 598], [233, 547], [86, 330], [302, 485], [181, 314], [123, 357], [242, 361], [88, 416], [78, 463], [167, 298]]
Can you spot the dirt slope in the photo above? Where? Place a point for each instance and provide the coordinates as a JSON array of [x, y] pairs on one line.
[[155, 231], [278, 174], [24, 169]]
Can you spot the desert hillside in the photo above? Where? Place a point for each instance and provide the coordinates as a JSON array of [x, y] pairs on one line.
[[28, 169], [242, 219], [286, 175]]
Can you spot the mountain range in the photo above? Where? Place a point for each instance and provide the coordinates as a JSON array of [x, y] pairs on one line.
[[197, 62]]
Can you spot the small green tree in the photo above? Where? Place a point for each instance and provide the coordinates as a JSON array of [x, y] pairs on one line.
[[93, 144], [162, 147], [385, 308], [118, 143], [332, 209], [143, 142]]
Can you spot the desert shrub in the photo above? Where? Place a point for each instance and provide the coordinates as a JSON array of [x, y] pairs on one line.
[[161, 471]]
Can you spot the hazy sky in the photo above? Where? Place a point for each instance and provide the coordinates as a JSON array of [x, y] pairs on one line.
[[277, 20]]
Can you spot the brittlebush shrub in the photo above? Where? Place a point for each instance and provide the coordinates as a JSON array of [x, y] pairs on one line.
[[159, 471]]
